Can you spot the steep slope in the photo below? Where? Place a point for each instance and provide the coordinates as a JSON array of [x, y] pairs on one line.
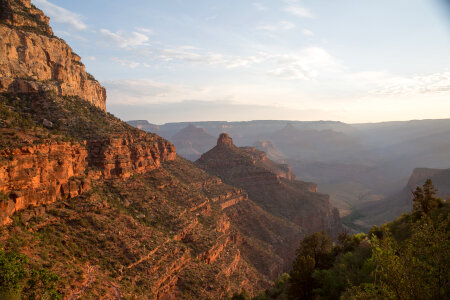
[[276, 192], [192, 141], [33, 59], [48, 154], [161, 234]]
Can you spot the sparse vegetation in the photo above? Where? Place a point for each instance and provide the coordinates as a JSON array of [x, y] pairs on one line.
[[21, 120]]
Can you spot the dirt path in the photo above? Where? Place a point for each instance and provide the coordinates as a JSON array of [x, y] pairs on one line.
[[89, 279], [116, 290]]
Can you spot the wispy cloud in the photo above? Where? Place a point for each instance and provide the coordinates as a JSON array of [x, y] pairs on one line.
[[183, 54], [61, 15], [280, 26], [299, 11], [124, 39], [418, 84], [307, 64], [307, 32], [145, 30], [126, 63], [146, 91]]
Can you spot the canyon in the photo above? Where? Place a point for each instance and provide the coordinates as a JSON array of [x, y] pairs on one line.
[[113, 211], [358, 165]]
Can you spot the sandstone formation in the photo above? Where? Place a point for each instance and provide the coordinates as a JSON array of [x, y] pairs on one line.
[[33, 60], [42, 174], [161, 234], [271, 186]]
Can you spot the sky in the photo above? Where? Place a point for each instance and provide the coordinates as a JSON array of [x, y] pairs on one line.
[[354, 61]]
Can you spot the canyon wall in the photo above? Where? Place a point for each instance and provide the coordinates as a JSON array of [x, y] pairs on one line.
[[33, 60], [41, 174]]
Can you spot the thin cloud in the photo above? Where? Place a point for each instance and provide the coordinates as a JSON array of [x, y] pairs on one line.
[[61, 15], [307, 32], [299, 11], [307, 64], [126, 63], [147, 91], [280, 26], [123, 39], [145, 30], [418, 84], [183, 54]]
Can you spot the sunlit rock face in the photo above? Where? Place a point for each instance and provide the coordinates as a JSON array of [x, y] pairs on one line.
[[34, 60]]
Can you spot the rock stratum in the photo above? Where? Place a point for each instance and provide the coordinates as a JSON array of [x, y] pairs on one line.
[[34, 60]]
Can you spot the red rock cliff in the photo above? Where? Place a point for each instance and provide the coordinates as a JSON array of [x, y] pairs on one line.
[[33, 60], [41, 174]]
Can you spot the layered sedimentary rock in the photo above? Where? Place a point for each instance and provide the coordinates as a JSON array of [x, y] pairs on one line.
[[34, 60], [41, 174], [157, 235], [271, 186]]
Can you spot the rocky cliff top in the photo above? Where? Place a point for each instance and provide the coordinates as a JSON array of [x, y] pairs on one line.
[[225, 140], [34, 61], [25, 16]]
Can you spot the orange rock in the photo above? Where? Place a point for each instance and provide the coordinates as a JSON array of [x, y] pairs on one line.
[[34, 60]]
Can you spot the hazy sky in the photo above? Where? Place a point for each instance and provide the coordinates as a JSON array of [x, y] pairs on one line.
[[192, 60]]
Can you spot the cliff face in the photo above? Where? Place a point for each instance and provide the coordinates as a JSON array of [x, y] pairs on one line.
[[41, 174], [161, 234], [271, 186], [33, 60]]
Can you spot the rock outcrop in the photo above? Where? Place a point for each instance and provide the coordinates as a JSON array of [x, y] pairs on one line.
[[33, 60], [41, 174], [272, 186]]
